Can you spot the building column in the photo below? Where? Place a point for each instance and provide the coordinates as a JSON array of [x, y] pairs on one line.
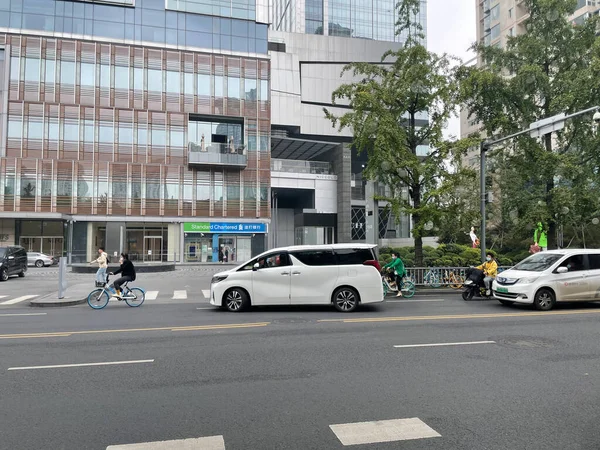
[[342, 166]]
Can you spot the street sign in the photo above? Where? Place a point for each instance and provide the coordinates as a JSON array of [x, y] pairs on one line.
[[545, 126]]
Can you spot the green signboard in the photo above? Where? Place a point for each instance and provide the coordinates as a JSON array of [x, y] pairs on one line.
[[196, 227]]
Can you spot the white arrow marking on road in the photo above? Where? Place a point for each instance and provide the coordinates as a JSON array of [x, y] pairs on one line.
[[151, 295], [206, 293], [18, 300], [179, 295], [444, 344], [62, 366], [383, 431], [203, 443]]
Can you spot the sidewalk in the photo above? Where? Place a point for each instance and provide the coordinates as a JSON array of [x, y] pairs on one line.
[[74, 295]]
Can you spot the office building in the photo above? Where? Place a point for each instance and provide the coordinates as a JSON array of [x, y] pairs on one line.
[[319, 194], [135, 125]]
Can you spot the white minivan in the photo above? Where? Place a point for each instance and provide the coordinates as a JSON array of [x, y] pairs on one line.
[[549, 277], [344, 275]]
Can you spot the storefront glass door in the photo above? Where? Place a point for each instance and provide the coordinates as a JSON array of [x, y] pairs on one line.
[[152, 248]]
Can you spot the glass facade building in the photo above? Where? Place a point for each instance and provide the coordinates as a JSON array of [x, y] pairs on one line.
[[99, 125]]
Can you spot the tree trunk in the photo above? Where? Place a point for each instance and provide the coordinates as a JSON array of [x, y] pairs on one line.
[[416, 198]]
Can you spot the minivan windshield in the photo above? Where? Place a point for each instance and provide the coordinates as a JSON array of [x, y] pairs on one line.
[[538, 262]]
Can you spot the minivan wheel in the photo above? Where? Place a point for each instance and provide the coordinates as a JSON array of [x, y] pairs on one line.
[[39, 263], [345, 299], [544, 300], [3, 275], [236, 300]]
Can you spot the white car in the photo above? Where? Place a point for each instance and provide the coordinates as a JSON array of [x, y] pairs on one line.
[[344, 275], [548, 277]]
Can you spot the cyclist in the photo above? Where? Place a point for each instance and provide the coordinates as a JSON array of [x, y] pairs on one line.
[[490, 270], [397, 267], [102, 266], [127, 272]]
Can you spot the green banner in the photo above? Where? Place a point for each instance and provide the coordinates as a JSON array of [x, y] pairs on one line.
[[196, 227]]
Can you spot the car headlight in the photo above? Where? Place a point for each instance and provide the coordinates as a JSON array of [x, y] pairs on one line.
[[218, 278], [527, 280]]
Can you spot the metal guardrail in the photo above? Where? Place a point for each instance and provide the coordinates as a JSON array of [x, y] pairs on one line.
[[439, 276]]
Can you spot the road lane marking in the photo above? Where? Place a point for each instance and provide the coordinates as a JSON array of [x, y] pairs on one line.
[[462, 316], [151, 295], [179, 295], [63, 366], [203, 443], [33, 336], [23, 314], [444, 344], [383, 431], [133, 330], [415, 300], [245, 325], [206, 293], [3, 296], [18, 299], [208, 307]]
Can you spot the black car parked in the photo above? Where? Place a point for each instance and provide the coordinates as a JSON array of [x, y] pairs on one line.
[[13, 261]]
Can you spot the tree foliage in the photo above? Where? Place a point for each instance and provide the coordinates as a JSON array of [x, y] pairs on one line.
[[406, 149], [552, 68]]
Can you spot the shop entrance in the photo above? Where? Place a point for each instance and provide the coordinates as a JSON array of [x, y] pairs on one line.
[[153, 248], [52, 246], [227, 245], [198, 249]]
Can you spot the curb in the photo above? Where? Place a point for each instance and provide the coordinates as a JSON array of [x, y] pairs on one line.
[[40, 303]]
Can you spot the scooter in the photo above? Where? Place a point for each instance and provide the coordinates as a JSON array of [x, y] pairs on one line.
[[474, 285]]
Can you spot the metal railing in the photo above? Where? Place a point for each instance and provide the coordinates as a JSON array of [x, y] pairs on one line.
[[439, 276], [217, 154]]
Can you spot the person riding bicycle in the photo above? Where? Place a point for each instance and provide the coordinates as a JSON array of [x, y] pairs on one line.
[[396, 266], [490, 270], [127, 271]]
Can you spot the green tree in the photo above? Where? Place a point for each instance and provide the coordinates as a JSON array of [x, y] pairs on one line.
[[552, 68], [387, 104]]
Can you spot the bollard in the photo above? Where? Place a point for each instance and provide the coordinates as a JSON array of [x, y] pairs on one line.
[[62, 279]]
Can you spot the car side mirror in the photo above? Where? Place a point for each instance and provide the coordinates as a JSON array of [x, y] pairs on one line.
[[255, 267], [562, 269]]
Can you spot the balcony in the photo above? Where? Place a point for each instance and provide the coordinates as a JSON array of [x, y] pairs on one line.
[[217, 155], [295, 166]]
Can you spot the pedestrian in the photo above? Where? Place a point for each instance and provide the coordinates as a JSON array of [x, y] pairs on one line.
[[221, 254], [102, 266], [396, 266], [127, 271], [226, 255], [540, 237], [473, 236]]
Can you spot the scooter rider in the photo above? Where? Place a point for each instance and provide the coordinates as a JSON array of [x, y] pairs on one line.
[[396, 266], [490, 270]]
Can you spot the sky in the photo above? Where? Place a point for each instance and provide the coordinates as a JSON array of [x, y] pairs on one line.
[[451, 29]]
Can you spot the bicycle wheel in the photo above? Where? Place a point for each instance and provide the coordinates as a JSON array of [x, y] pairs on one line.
[[385, 289], [457, 282], [98, 298], [408, 289], [434, 281], [139, 296]]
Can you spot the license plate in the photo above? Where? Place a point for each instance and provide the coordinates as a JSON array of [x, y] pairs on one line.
[[503, 290]]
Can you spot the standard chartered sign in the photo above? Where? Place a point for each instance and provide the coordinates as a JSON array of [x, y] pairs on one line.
[[225, 227]]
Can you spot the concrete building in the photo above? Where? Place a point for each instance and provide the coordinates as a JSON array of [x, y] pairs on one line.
[[497, 21], [136, 125], [318, 191]]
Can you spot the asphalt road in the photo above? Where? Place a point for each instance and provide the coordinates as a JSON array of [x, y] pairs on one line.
[[280, 378]]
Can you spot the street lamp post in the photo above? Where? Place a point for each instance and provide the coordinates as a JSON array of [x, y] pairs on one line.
[[536, 129]]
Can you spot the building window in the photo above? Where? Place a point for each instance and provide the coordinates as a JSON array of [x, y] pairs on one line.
[[495, 13], [510, 13], [250, 93], [88, 74], [32, 70], [495, 32], [155, 80], [233, 87], [121, 77], [67, 72]]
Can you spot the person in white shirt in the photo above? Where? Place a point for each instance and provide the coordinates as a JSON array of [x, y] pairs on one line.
[[102, 266], [473, 236]]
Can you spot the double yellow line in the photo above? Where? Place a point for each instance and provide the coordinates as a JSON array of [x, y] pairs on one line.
[[462, 316], [133, 330]]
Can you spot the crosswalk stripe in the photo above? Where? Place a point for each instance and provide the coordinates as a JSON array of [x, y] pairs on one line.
[[18, 300], [383, 431], [206, 293], [151, 295], [179, 295], [203, 443]]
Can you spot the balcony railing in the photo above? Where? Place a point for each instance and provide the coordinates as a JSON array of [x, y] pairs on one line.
[[295, 166], [223, 155]]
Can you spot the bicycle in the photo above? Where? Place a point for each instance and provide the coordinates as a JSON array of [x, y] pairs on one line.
[[432, 278], [408, 287], [453, 280], [98, 298]]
